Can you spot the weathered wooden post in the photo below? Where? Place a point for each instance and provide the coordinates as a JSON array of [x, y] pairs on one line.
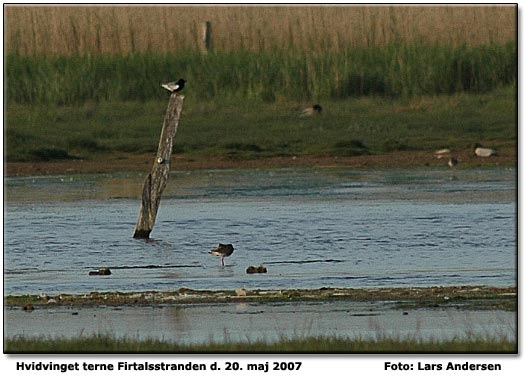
[[206, 43], [158, 177]]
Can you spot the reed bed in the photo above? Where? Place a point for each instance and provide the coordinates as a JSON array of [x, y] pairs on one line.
[[123, 30], [69, 55]]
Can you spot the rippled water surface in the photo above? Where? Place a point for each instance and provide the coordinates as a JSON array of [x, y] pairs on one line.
[[204, 323], [310, 227]]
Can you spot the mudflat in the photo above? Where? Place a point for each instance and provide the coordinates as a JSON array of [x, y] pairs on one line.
[[122, 162], [479, 297]]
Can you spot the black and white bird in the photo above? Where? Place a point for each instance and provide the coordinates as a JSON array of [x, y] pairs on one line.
[[452, 162], [315, 109], [174, 86], [222, 251]]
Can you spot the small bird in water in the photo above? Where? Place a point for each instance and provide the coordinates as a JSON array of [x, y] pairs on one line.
[[313, 110], [174, 86], [222, 251]]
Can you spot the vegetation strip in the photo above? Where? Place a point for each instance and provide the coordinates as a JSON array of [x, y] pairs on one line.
[[109, 344], [82, 82], [427, 70], [477, 297], [353, 131]]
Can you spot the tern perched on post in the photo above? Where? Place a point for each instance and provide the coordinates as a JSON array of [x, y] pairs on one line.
[[174, 86]]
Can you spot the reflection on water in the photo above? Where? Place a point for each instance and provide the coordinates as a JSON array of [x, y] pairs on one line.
[[311, 227], [243, 322]]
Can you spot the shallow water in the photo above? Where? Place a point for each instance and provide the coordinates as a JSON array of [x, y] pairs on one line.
[[250, 322], [310, 227]]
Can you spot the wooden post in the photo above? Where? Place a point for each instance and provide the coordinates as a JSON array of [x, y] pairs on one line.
[[206, 44], [158, 177]]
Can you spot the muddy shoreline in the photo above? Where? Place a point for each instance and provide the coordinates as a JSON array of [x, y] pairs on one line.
[[121, 162], [471, 297]]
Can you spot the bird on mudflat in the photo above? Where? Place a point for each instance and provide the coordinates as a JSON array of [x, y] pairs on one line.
[[222, 251], [484, 152], [453, 162], [174, 86], [442, 153]]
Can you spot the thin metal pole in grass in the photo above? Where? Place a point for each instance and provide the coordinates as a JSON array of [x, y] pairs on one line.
[[158, 177]]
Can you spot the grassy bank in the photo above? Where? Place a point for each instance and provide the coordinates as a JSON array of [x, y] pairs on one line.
[[393, 71], [107, 344], [81, 82], [246, 129]]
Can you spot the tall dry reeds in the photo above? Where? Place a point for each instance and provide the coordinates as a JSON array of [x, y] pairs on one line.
[[68, 55], [71, 30]]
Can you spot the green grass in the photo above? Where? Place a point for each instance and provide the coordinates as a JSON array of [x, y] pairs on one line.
[[250, 129], [396, 70], [107, 344], [397, 97]]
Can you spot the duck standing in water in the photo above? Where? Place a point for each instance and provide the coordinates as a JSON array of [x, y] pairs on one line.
[[222, 251]]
